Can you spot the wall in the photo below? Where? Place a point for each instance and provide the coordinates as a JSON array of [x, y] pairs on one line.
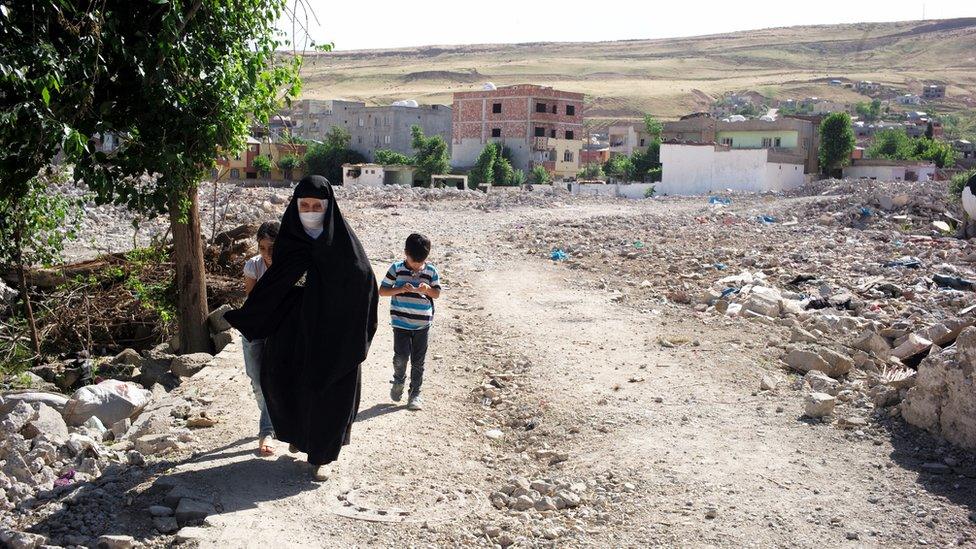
[[623, 190], [753, 139], [700, 169], [888, 173], [370, 176]]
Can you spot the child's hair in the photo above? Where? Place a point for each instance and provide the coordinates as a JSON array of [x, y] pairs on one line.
[[268, 229], [417, 247]]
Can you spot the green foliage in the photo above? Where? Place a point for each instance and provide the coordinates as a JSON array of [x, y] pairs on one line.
[[642, 162], [263, 164], [653, 126], [430, 155], [293, 139], [869, 112], [158, 296], [387, 157], [35, 226], [289, 162], [517, 179], [653, 175], [957, 183], [960, 125], [591, 171], [484, 168], [325, 160], [651, 191], [897, 145], [836, 141], [503, 171], [337, 138], [540, 175], [618, 166]]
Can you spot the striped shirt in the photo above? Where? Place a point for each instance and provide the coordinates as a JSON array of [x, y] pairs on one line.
[[411, 311]]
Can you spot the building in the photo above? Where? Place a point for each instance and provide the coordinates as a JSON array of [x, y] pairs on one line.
[[371, 127], [540, 126], [594, 153], [867, 86], [240, 165], [916, 115], [701, 168], [966, 149], [627, 138], [889, 170], [909, 99], [836, 82], [795, 136], [934, 91], [377, 175], [818, 106]]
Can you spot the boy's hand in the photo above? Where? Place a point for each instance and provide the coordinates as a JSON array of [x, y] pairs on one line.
[[408, 288], [424, 288]]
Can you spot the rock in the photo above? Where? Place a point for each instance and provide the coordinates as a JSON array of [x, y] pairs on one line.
[[127, 356], [818, 405], [839, 364], [16, 467], [821, 383], [191, 534], [160, 511], [21, 540], [545, 503], [216, 319], [522, 503], [15, 420], [188, 365], [165, 525], [53, 400], [116, 542], [48, 421], [156, 370], [764, 301], [95, 424], [912, 346], [221, 340], [134, 458], [191, 511], [871, 342], [804, 361], [155, 444], [200, 421], [768, 383], [567, 499], [494, 434], [851, 423], [120, 428], [799, 335]]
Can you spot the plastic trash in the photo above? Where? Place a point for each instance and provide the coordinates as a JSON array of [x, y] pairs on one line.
[[110, 401], [954, 283], [638, 244], [729, 291], [907, 262], [719, 200], [766, 219], [721, 266], [558, 255], [866, 212]]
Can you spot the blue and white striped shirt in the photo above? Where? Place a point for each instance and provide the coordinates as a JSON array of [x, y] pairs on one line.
[[411, 311]]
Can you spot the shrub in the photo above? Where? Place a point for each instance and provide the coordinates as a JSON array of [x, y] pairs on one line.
[[540, 175]]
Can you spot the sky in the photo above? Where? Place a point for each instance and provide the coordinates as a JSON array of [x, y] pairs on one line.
[[386, 24]]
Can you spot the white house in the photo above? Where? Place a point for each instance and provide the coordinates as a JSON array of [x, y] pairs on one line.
[[909, 99], [889, 170], [700, 168], [377, 175]]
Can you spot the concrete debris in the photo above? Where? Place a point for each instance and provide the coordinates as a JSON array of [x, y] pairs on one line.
[[188, 365], [818, 405]]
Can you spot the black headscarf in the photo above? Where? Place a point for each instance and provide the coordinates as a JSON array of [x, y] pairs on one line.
[[334, 315]]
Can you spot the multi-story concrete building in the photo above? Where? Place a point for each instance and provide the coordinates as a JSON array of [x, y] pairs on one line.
[[538, 125], [627, 138], [371, 128], [934, 91]]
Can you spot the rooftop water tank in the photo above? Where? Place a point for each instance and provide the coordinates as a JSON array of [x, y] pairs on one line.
[[489, 86], [405, 103]]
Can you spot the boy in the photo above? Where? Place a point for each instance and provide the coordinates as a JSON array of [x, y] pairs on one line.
[[414, 285], [254, 269]]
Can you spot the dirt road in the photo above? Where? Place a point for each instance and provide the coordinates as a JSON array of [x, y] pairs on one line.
[[653, 416]]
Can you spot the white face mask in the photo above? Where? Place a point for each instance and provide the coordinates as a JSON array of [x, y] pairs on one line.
[[312, 220]]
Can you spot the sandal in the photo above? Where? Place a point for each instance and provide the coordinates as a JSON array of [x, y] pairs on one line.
[[324, 472], [265, 448]]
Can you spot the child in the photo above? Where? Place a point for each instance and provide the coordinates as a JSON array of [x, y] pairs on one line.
[[254, 269], [414, 285]]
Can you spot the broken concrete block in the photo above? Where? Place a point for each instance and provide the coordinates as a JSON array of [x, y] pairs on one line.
[[871, 342], [912, 346], [818, 405], [188, 365]]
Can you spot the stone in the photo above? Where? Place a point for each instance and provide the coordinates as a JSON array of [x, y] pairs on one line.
[[22, 540], [190, 534], [804, 361], [851, 423], [799, 335], [17, 418], [155, 444], [160, 511], [16, 467], [201, 421], [567, 499], [120, 428], [221, 340], [523, 503], [545, 503], [763, 303], [95, 424], [768, 383], [839, 364], [191, 511], [494, 434], [53, 400], [871, 342], [127, 356], [188, 365], [818, 405], [48, 421], [912, 346], [165, 525], [155, 370], [116, 542], [821, 383], [217, 321]]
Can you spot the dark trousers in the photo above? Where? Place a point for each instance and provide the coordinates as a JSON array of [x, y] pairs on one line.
[[409, 345]]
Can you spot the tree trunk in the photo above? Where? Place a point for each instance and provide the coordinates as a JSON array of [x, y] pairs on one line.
[[25, 295], [191, 284]]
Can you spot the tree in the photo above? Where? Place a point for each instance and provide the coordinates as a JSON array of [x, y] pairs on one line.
[[517, 179], [387, 157], [618, 167], [653, 127], [836, 141], [642, 162], [892, 144], [503, 171], [431, 156], [540, 175], [337, 138], [183, 79], [288, 163], [263, 165], [484, 168], [325, 160], [929, 130], [592, 170], [869, 111]]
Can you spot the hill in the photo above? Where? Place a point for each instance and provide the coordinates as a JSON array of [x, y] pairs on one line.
[[670, 77]]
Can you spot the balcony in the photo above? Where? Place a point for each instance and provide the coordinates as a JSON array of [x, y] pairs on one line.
[[540, 143]]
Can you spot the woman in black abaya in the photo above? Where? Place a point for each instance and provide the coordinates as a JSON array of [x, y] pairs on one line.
[[316, 307]]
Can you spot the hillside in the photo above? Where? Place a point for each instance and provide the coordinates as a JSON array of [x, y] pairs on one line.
[[669, 77]]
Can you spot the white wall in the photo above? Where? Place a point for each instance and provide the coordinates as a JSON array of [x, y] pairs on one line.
[[888, 173], [622, 190], [369, 177], [700, 169]]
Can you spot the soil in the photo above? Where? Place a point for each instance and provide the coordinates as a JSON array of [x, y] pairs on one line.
[[653, 412]]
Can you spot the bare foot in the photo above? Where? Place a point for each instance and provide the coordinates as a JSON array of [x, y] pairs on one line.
[[265, 447], [324, 472]]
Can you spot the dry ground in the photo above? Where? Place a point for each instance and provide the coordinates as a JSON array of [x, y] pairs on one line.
[[676, 445]]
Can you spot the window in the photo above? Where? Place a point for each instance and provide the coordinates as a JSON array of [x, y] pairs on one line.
[[570, 110], [359, 139], [553, 109], [235, 173], [567, 156], [540, 107], [496, 132], [767, 142], [540, 131], [386, 139], [727, 141], [642, 142], [360, 122], [496, 108], [777, 142], [569, 134], [552, 134]]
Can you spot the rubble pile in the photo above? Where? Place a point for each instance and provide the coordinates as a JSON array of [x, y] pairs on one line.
[[855, 307]]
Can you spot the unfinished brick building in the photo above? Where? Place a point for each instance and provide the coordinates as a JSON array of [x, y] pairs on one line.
[[537, 124]]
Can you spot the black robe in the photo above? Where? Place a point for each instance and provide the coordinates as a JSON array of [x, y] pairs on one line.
[[316, 334]]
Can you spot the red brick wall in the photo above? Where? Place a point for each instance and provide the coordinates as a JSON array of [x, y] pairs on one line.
[[473, 116]]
